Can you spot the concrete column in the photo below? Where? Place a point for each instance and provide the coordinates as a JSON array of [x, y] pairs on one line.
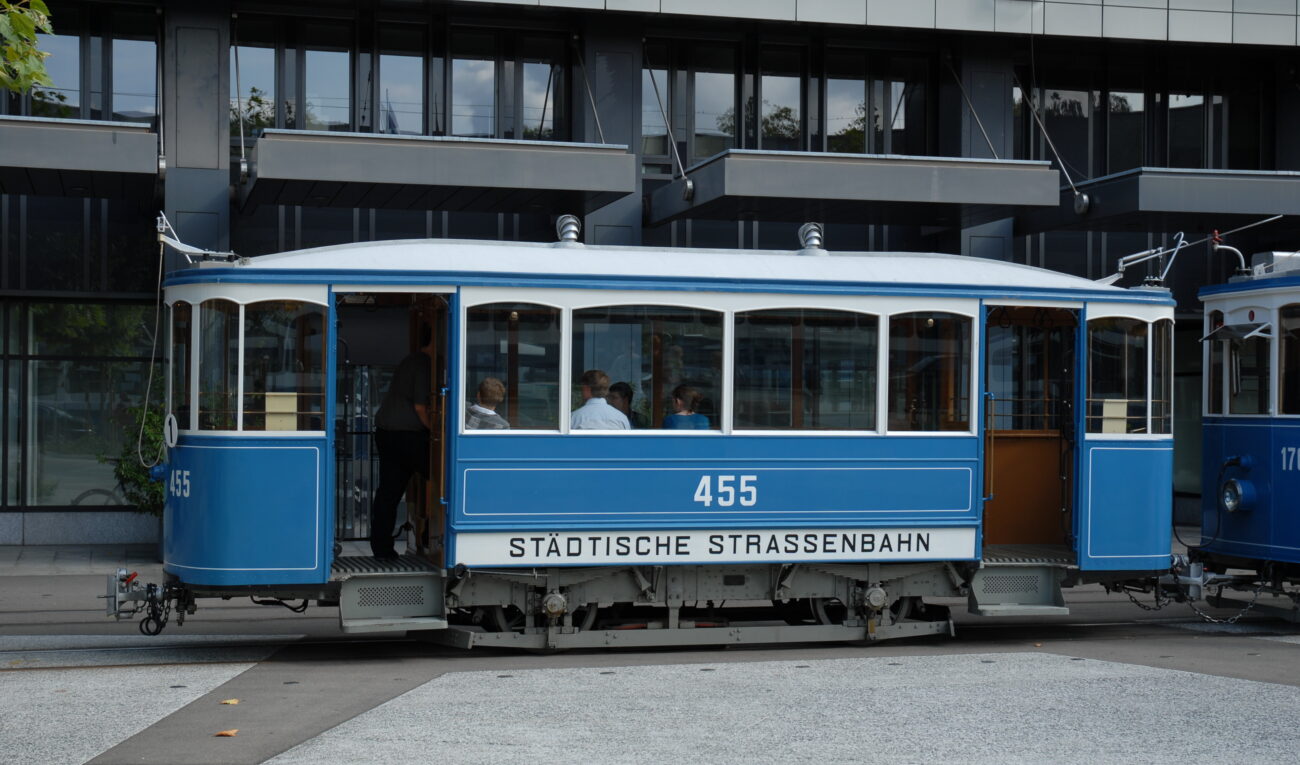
[[613, 69], [985, 111], [196, 97]]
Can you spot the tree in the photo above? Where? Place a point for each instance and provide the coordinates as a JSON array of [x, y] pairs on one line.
[[22, 64]]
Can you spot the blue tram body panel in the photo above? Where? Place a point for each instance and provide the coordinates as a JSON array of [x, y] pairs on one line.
[[1126, 505], [247, 511], [1268, 526], [610, 486]]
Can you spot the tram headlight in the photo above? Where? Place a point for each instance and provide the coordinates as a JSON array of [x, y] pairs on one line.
[[1237, 495]]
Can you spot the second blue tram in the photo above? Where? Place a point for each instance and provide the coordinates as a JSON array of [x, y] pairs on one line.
[[874, 429]]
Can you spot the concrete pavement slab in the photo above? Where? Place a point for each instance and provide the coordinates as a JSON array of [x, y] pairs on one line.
[[60, 716], [994, 708]]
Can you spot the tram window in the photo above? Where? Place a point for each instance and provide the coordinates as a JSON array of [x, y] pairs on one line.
[[929, 372], [1027, 351], [1117, 376], [805, 370], [218, 364], [284, 366], [1162, 377], [1248, 374], [518, 344], [182, 316], [1218, 348], [653, 349], [1289, 328]]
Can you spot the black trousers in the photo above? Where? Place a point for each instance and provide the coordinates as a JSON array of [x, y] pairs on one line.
[[402, 454]]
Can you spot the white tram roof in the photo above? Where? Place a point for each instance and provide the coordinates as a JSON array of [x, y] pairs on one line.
[[480, 257]]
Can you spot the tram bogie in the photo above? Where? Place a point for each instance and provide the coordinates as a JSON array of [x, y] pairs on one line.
[[865, 432]]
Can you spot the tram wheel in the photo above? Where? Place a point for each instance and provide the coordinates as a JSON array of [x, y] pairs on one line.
[[814, 610], [503, 619]]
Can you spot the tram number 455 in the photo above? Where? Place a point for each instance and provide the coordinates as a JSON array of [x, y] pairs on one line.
[[729, 489], [179, 483]]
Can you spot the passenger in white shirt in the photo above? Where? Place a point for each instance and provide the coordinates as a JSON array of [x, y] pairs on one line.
[[596, 413]]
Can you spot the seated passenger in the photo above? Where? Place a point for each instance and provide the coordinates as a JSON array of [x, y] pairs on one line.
[[482, 415], [620, 397], [685, 401], [595, 412]]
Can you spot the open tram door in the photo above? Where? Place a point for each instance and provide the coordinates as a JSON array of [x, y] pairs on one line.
[[1029, 434]]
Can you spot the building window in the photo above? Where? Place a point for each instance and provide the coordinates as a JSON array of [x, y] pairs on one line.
[[135, 67], [782, 113], [401, 80], [473, 86], [847, 117], [327, 78], [252, 76], [1125, 130], [712, 101]]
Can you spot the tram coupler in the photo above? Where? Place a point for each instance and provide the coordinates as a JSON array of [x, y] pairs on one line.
[[1188, 580], [127, 596]]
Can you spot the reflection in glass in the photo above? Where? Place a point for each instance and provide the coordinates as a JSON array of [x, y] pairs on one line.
[[653, 349], [1289, 386], [1162, 377], [56, 241], [401, 80], [929, 372], [805, 370], [782, 88], [1218, 352], [13, 424], [328, 103], [541, 90], [1127, 132], [1117, 376], [846, 103], [714, 109], [1026, 356], [135, 76], [473, 105], [284, 366], [1186, 130], [654, 133], [1248, 376], [96, 329], [181, 355], [256, 101], [1068, 117], [218, 364], [78, 411], [61, 98], [518, 344]]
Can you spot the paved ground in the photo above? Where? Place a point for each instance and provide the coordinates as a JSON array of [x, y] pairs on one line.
[[1108, 683]]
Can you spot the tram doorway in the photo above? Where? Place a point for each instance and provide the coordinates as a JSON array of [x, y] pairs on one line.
[[1029, 438], [375, 332]]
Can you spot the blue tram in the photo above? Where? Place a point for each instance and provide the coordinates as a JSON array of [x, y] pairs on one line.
[[872, 430], [1251, 450]]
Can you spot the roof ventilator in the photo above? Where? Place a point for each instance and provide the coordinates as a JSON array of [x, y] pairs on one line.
[[810, 236], [567, 228]]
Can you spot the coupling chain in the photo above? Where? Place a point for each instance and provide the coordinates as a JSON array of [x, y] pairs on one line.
[[1208, 617]]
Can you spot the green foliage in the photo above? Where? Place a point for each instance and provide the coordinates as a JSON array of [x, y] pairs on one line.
[[22, 64], [146, 495]]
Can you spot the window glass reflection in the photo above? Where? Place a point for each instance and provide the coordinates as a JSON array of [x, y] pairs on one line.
[[473, 86], [1289, 385], [1068, 117], [218, 364], [652, 350], [1117, 376], [328, 102], [134, 67], [1127, 130], [518, 345], [284, 366], [782, 112], [846, 103], [62, 97], [541, 65], [401, 81], [654, 132], [713, 84], [1186, 130], [805, 370], [56, 244], [1162, 377], [181, 355], [1248, 376], [1218, 351], [929, 372], [256, 92]]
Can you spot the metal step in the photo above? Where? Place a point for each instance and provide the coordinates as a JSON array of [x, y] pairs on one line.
[[389, 595], [1018, 590]]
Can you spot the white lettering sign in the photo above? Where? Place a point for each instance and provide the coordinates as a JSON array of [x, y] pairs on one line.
[[712, 546]]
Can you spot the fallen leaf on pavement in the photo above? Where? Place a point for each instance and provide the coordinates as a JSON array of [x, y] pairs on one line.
[[227, 733], [230, 701]]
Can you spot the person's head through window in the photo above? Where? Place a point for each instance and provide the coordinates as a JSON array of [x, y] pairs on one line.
[[491, 392], [595, 384], [620, 397], [686, 399]]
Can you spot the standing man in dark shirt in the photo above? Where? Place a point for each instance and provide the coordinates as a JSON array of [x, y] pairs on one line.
[[402, 437]]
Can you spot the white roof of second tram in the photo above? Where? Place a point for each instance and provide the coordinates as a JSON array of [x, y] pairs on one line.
[[485, 258]]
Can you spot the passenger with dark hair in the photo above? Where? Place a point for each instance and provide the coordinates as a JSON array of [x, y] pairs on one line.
[[620, 397], [482, 414], [684, 417], [595, 412], [402, 439]]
